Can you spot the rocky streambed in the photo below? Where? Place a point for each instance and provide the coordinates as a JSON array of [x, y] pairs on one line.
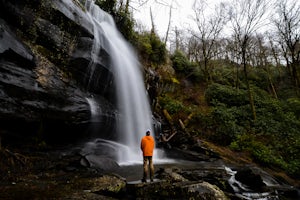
[[66, 174]]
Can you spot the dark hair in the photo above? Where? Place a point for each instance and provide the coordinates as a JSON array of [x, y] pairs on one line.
[[147, 132]]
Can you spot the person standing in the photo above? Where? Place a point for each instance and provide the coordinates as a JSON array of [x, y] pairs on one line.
[[147, 147]]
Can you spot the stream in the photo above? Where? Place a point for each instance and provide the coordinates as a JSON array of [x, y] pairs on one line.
[[212, 170]]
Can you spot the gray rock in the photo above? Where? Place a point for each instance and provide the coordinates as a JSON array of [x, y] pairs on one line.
[[45, 49], [99, 162]]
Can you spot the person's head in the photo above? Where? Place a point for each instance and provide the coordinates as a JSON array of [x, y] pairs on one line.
[[148, 132]]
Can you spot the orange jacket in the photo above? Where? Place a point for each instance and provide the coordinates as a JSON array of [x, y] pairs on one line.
[[147, 145]]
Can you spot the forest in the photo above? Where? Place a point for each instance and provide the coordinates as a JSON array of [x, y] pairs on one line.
[[234, 81]]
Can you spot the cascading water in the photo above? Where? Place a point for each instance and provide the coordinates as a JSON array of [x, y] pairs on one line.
[[132, 100]]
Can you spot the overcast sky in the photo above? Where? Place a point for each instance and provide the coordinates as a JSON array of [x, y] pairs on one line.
[[182, 14]]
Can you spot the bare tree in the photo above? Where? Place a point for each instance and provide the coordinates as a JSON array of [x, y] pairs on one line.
[[143, 2], [275, 49], [209, 29], [246, 17], [169, 24], [178, 41], [287, 23], [152, 22], [263, 60], [232, 54]]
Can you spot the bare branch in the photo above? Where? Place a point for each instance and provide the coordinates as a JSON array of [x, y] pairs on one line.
[[169, 24]]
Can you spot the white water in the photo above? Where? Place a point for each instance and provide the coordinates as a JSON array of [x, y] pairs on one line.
[[132, 101], [111, 148], [93, 106], [244, 193]]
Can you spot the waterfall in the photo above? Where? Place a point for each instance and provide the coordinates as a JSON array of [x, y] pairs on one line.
[[93, 106], [132, 100]]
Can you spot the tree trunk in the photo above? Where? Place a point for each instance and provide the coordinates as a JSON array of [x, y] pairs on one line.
[[295, 76], [127, 7], [168, 29], [250, 94], [206, 70], [251, 99], [237, 82], [271, 83], [272, 87], [152, 22]]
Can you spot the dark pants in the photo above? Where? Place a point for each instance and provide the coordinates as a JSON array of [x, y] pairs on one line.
[[148, 162]]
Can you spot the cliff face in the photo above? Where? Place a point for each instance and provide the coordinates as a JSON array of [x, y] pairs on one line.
[[45, 52]]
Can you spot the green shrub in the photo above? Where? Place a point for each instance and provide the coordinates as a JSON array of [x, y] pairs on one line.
[[265, 155], [227, 123], [224, 76], [226, 94], [151, 48], [171, 105], [123, 19], [107, 5], [274, 118], [294, 106], [196, 74], [180, 61], [293, 168], [260, 152], [271, 150], [201, 121], [273, 139], [181, 64], [259, 78]]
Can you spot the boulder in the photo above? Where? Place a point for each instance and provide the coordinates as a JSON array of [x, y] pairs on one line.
[[101, 163], [247, 177], [178, 190]]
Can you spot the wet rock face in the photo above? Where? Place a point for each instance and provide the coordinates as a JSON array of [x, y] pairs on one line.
[[44, 80]]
